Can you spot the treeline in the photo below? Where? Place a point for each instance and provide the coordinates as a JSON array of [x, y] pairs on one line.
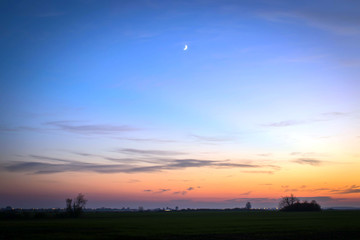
[[28, 214], [74, 208], [293, 204], [303, 206]]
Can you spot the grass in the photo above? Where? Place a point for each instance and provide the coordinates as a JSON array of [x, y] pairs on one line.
[[190, 225]]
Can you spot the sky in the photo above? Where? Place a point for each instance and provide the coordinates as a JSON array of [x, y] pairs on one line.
[[100, 98]]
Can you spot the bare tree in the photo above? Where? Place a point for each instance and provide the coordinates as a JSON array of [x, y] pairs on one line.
[[75, 207], [68, 205], [292, 204], [288, 201], [248, 206]]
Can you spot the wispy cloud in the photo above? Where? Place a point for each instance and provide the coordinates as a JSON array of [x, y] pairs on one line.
[[86, 154], [309, 161], [288, 189], [317, 198], [337, 22], [159, 191], [19, 129], [335, 114], [124, 167], [162, 190], [149, 152], [147, 140], [246, 193], [341, 190], [46, 168], [271, 200], [347, 190], [212, 138], [80, 128], [327, 116], [184, 192], [284, 123], [180, 192], [38, 157], [264, 154], [133, 181], [261, 172], [75, 127], [320, 189], [302, 154]]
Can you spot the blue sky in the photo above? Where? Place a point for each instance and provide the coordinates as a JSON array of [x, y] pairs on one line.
[[258, 77]]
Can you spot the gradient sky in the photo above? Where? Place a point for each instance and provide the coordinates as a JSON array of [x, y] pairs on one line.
[[99, 97]]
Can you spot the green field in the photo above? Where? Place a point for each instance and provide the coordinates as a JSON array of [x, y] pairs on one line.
[[190, 225]]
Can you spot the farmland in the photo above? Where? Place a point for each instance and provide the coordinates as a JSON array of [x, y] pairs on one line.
[[190, 225]]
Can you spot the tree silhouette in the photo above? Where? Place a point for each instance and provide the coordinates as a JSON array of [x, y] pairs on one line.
[[293, 204], [248, 206], [75, 207], [288, 201]]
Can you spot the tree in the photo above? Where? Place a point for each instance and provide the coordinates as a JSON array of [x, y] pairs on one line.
[[293, 204], [75, 207], [288, 201], [68, 205], [248, 206]]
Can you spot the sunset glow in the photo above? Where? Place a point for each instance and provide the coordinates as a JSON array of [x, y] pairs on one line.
[[200, 104]]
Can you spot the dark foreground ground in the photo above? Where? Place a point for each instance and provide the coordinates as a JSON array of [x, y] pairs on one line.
[[207, 225]]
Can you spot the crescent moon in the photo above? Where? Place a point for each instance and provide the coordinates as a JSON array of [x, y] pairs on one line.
[[185, 48]]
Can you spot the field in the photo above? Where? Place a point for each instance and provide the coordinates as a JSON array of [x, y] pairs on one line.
[[190, 225]]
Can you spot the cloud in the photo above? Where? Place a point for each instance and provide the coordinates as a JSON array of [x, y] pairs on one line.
[[149, 152], [320, 118], [309, 161], [262, 200], [132, 160], [186, 191], [321, 189], [342, 21], [180, 192], [212, 138], [302, 153], [162, 190], [86, 154], [246, 193], [75, 127], [284, 123], [133, 181], [52, 159], [46, 168], [353, 62], [19, 129], [335, 114], [264, 154], [188, 163], [122, 160], [264, 172], [317, 198], [342, 190], [147, 140], [123, 167], [348, 190], [291, 190]]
